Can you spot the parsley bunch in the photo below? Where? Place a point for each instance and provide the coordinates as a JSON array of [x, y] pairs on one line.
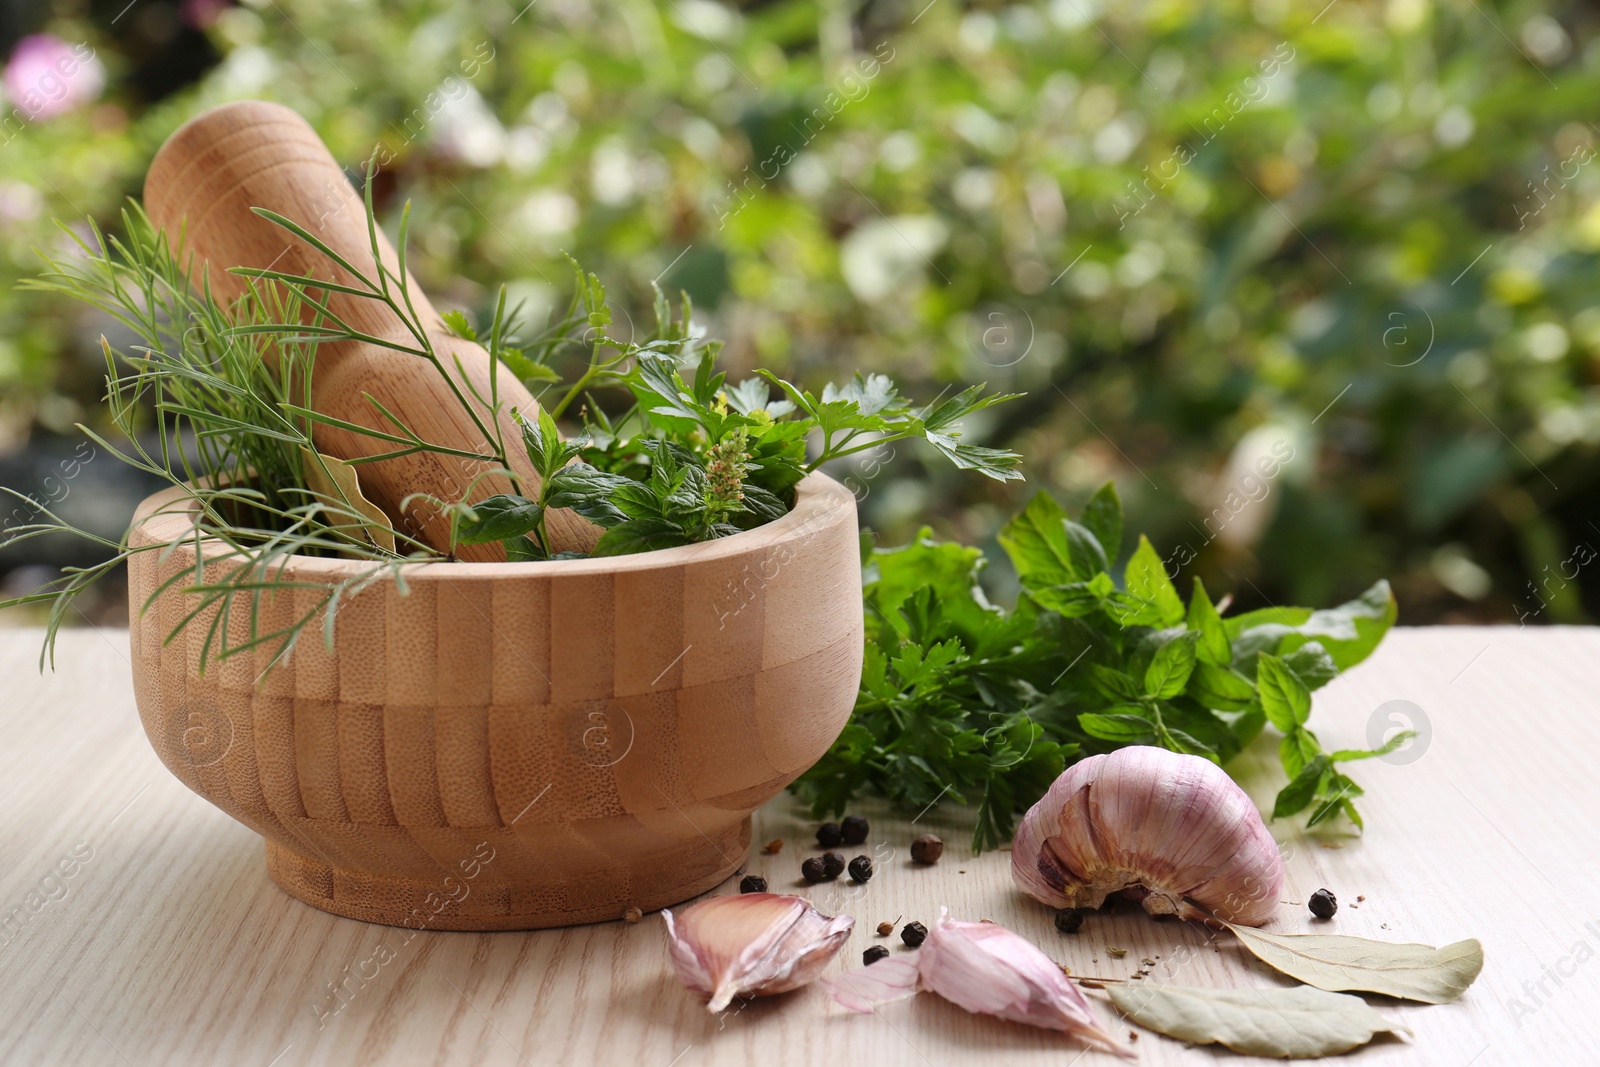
[[961, 700]]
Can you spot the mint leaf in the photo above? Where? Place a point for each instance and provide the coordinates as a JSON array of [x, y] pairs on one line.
[[1088, 558], [1169, 671], [1340, 791], [1345, 755], [640, 535], [523, 550], [547, 451], [1103, 517], [1122, 726], [1298, 794], [1036, 541], [1348, 632], [1203, 618], [1312, 664], [1222, 688], [1179, 741], [1073, 600], [498, 518], [1145, 579], [1284, 697], [1114, 683], [588, 491], [1296, 749]]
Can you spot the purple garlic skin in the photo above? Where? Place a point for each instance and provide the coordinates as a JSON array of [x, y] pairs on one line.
[[1171, 830], [751, 945], [985, 969]]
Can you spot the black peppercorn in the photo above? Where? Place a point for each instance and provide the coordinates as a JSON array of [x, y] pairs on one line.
[[874, 954], [813, 871], [927, 849], [833, 864], [1069, 920], [752, 883], [829, 834], [854, 828], [1324, 904], [914, 934], [860, 869]]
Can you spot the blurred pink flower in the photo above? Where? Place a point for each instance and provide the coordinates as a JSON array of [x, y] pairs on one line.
[[46, 76], [202, 13]]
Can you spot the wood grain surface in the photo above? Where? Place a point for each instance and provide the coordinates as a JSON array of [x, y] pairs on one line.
[[167, 943], [248, 154], [602, 728]]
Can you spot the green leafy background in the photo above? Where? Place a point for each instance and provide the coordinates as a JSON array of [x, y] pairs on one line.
[[1379, 259]]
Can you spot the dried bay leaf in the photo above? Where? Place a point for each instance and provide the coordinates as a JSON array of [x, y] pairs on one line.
[[1338, 962], [336, 481], [1298, 1023]]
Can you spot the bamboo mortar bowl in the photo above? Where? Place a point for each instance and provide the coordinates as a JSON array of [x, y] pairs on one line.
[[512, 745]]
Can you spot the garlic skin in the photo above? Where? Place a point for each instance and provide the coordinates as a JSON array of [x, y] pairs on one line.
[[752, 944], [985, 969], [1169, 829]]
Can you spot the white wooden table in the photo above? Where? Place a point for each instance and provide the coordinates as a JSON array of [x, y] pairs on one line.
[[167, 944]]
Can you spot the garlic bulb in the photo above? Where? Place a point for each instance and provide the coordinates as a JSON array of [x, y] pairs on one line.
[[752, 944], [1170, 830], [983, 968]]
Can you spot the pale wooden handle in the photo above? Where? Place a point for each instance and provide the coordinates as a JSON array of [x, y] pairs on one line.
[[239, 156], [252, 154]]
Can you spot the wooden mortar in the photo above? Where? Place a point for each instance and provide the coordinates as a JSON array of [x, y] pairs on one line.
[[204, 181], [511, 745]]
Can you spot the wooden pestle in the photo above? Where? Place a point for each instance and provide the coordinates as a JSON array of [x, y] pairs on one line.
[[205, 180]]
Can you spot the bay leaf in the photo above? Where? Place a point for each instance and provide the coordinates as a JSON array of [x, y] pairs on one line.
[[336, 482], [1338, 962], [1298, 1022]]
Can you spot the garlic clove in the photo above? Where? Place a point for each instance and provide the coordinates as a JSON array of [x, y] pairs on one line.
[[1171, 830], [868, 988], [752, 944], [986, 968], [983, 968]]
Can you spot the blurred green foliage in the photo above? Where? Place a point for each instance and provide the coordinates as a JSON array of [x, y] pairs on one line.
[[1201, 236]]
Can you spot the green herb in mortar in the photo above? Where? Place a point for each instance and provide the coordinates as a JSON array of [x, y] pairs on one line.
[[693, 457]]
